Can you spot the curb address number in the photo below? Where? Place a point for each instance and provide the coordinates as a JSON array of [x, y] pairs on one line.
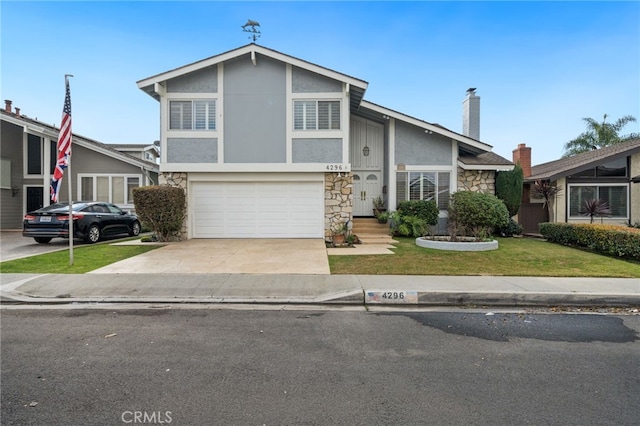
[[401, 297]]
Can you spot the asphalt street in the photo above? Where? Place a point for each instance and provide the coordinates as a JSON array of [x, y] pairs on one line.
[[317, 367]]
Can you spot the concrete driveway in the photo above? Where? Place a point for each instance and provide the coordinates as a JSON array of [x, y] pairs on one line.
[[14, 246], [247, 256]]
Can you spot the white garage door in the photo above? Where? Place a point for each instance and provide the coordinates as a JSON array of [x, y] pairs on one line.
[[257, 209]]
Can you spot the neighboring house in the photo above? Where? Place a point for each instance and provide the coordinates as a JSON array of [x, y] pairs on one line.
[[610, 174], [267, 145], [144, 152], [28, 155]]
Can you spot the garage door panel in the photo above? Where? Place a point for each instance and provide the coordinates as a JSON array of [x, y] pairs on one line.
[[257, 209]]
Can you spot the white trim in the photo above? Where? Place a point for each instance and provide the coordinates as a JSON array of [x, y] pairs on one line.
[[220, 112], [391, 160], [249, 167], [426, 168], [255, 176], [289, 113], [497, 168], [345, 112]]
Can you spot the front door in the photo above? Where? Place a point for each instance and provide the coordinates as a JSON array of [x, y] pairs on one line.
[[366, 187], [35, 198], [367, 163]]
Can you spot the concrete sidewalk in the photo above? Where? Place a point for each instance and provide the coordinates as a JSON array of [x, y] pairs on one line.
[[319, 289]]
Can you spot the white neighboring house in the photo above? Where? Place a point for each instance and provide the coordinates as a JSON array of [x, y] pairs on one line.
[[267, 145]]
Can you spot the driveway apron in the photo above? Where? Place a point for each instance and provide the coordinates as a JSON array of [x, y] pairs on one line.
[[229, 256]]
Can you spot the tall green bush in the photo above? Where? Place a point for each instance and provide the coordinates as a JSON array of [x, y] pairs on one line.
[[162, 208], [476, 213], [509, 188]]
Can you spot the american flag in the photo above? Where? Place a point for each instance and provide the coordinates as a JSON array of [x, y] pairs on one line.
[[64, 146]]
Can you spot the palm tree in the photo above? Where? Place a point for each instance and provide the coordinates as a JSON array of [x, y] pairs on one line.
[[599, 135]]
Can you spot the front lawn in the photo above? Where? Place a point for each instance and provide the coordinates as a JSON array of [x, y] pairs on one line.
[[85, 259], [515, 257]]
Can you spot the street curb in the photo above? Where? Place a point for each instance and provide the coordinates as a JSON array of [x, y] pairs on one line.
[[358, 298]]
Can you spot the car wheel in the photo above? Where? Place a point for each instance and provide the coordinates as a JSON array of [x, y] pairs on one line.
[[135, 229], [42, 240], [93, 234]]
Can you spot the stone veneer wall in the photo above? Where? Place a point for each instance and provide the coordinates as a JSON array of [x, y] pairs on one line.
[[338, 201], [177, 179], [477, 180]]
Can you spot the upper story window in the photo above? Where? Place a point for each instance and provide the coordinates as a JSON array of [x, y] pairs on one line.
[[316, 115], [192, 115], [35, 155], [615, 168]]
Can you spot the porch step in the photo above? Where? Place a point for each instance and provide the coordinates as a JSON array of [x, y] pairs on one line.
[[370, 231]]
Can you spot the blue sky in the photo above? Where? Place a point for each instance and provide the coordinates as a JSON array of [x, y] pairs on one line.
[[539, 67]]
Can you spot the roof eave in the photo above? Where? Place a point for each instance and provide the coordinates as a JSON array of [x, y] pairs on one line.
[[496, 167], [148, 85], [477, 145]]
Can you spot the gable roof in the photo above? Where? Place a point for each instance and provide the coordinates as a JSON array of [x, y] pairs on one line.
[[44, 129], [357, 87], [576, 163]]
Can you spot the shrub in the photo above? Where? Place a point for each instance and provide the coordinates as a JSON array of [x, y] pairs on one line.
[[413, 218], [509, 189], [162, 208], [510, 229], [620, 241], [477, 212]]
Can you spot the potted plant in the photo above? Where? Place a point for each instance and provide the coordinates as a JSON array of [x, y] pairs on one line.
[[378, 205], [339, 233], [383, 217]]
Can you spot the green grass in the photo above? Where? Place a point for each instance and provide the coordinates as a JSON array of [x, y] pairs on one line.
[[515, 257], [85, 259]]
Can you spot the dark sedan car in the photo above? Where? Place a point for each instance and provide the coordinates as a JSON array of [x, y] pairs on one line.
[[91, 221]]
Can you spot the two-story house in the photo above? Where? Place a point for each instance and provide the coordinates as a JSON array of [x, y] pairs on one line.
[[267, 145]]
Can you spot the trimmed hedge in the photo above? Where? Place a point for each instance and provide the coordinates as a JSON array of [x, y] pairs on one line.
[[620, 241], [162, 208]]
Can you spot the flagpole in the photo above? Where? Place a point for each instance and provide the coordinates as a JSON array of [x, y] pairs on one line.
[[69, 175]]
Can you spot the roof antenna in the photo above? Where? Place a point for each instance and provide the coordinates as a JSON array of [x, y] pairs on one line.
[[250, 27]]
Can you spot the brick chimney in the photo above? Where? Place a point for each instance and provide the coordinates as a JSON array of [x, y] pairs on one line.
[[18, 111], [7, 105], [471, 114], [522, 155]]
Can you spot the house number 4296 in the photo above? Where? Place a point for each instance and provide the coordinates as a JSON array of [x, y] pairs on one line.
[[335, 167]]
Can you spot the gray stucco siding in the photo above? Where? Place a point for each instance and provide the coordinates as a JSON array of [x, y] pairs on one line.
[[254, 111], [317, 150], [192, 150], [415, 147], [304, 81], [201, 81], [11, 136]]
